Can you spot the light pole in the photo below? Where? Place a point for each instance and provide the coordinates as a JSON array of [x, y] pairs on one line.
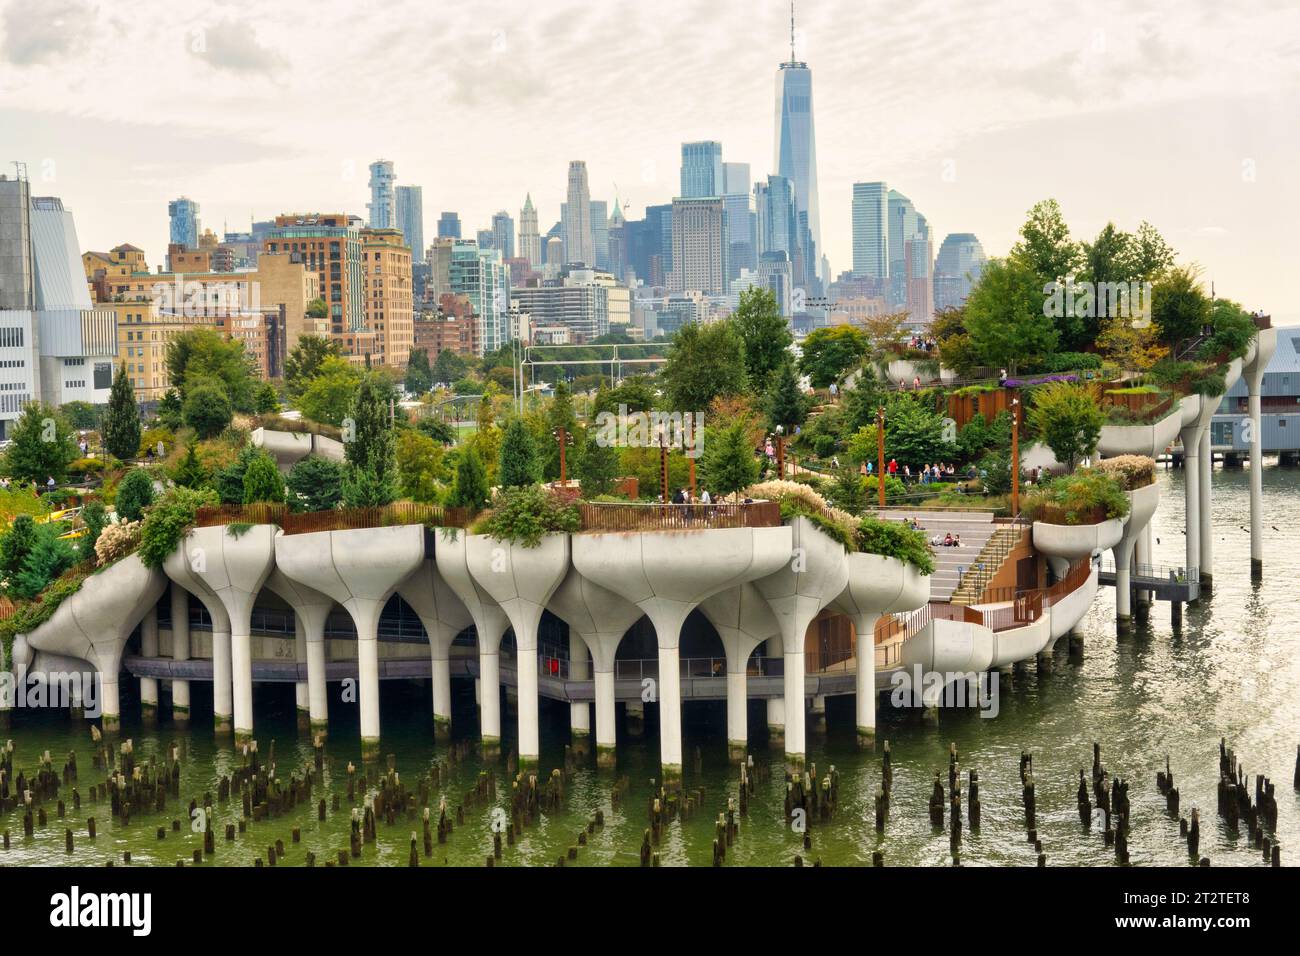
[[780, 452], [880, 456], [1015, 458], [562, 436], [663, 465]]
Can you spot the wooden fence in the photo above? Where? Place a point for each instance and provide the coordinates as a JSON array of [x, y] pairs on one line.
[[340, 519], [616, 516]]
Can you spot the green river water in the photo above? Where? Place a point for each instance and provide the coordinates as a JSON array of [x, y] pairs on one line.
[[1232, 671]]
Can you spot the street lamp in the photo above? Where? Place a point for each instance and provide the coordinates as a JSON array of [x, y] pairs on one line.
[[880, 456], [1015, 458], [563, 437], [663, 464], [780, 452]]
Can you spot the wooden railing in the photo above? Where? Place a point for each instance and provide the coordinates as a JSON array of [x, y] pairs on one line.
[[617, 516], [339, 519]]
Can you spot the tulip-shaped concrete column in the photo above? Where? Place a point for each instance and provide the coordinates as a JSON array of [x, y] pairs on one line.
[[743, 621], [490, 623], [179, 567], [772, 650], [521, 581], [877, 585], [579, 710], [444, 616], [234, 567], [812, 577], [1142, 505], [599, 618], [180, 607], [1253, 371], [360, 569], [1197, 411], [311, 610], [667, 574], [95, 623]]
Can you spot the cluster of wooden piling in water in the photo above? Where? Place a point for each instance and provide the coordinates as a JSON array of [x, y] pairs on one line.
[[1029, 797], [1236, 805], [1111, 799], [810, 799]]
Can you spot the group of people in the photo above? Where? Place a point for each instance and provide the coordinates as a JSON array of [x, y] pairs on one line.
[[949, 540], [927, 474], [50, 485], [683, 496]]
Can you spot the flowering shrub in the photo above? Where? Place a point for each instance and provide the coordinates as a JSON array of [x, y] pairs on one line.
[[1131, 471], [116, 541]]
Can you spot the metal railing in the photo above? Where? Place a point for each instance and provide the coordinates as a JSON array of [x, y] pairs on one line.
[[1158, 572], [339, 519], [619, 516]]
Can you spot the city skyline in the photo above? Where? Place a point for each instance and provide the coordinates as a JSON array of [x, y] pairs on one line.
[[969, 139]]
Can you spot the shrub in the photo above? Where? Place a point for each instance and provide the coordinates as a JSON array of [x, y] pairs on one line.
[[797, 500], [134, 494], [116, 541], [207, 408], [1131, 471], [168, 521], [315, 484], [94, 517], [262, 481], [48, 558], [1085, 497], [524, 515], [894, 539]]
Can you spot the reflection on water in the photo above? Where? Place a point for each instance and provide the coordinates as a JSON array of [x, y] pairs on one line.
[[1232, 671]]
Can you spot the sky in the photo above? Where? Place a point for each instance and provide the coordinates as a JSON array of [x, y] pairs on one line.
[[1185, 114]]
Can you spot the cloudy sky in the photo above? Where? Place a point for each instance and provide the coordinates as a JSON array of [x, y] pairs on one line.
[[1182, 113]]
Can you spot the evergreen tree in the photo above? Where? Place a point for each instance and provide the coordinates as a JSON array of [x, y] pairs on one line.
[[267, 401], [370, 452], [49, 557], [17, 541], [94, 517], [518, 464], [786, 404], [134, 494], [365, 487], [190, 473], [419, 377], [262, 481], [170, 410], [448, 367], [470, 488], [598, 466], [207, 408], [122, 419], [304, 360], [729, 464], [229, 481], [315, 484], [559, 415]]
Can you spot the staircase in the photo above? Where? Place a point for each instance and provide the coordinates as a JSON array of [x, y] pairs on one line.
[[986, 564], [951, 564]]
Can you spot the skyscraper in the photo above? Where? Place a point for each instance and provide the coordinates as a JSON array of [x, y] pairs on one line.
[[796, 142], [599, 233], [576, 217], [740, 219], [957, 268], [481, 275], [775, 221], [449, 226], [503, 234], [699, 248], [530, 242], [410, 219], [701, 169], [871, 231], [383, 214], [184, 224]]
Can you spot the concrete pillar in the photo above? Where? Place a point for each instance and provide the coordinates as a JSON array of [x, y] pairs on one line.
[[579, 710], [440, 664], [1142, 557], [149, 649], [1206, 512], [1256, 483], [317, 699], [817, 714], [1192, 495], [865, 683], [737, 713], [1123, 595], [365, 614], [605, 718], [670, 706], [223, 703], [489, 675], [444, 615], [796, 706], [301, 696], [180, 604], [241, 663], [742, 619]]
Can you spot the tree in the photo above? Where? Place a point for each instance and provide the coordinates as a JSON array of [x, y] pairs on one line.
[[470, 489], [229, 481], [43, 445], [366, 487], [1149, 255], [886, 334], [1005, 315], [266, 402], [829, 352], [82, 416], [764, 334], [784, 402], [171, 410], [914, 434], [203, 353], [329, 396], [134, 494], [371, 447], [729, 465], [207, 408], [438, 430], [597, 467], [420, 468], [559, 415], [262, 481], [304, 361], [48, 558], [419, 376], [1180, 308], [317, 309], [315, 484], [849, 490], [448, 367], [1130, 344], [190, 472], [1045, 246], [1067, 419], [705, 361], [121, 432], [16, 543], [93, 517], [518, 464]]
